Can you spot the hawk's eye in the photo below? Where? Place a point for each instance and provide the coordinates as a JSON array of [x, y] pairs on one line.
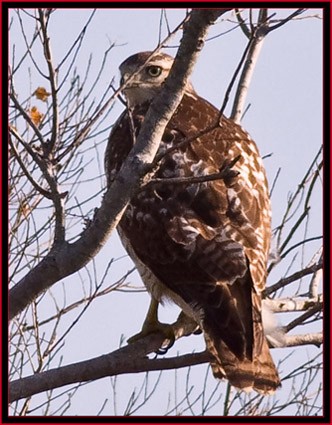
[[154, 71]]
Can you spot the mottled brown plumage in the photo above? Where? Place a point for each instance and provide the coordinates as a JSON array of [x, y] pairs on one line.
[[203, 245]]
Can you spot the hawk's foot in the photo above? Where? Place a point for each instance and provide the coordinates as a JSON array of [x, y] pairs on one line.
[[152, 325], [156, 327]]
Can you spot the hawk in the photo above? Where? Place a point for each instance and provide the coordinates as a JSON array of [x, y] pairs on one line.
[[202, 245]]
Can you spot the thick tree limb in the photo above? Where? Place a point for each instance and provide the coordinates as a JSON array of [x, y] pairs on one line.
[[64, 258], [282, 305], [119, 362], [305, 339], [129, 359]]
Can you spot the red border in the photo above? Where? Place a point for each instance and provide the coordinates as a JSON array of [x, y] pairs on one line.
[[327, 137]]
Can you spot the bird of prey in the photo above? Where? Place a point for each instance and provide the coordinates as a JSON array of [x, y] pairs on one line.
[[203, 245]]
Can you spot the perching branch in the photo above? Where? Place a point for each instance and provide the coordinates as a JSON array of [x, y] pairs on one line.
[[129, 359]]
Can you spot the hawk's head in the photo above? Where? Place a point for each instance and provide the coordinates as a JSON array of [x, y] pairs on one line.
[[146, 84]]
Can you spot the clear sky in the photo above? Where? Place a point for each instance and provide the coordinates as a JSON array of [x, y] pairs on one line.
[[285, 120]]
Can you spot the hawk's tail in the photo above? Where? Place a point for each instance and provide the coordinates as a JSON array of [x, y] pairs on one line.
[[234, 335], [260, 374]]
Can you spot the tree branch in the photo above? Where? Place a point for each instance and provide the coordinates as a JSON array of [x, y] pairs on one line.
[[282, 305], [64, 258], [99, 111], [315, 280], [52, 79], [257, 36], [305, 339], [225, 172], [39, 188], [299, 320], [289, 18], [27, 117], [295, 276], [129, 359], [45, 164], [258, 33], [242, 23]]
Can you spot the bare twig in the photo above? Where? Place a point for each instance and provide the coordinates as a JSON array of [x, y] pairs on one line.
[[28, 46], [289, 18], [246, 53], [225, 172], [242, 23], [296, 194], [299, 320], [27, 117], [287, 280], [55, 193], [52, 78], [77, 42], [28, 175], [256, 36]]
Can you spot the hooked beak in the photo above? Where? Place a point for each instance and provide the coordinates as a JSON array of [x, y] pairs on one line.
[[124, 78]]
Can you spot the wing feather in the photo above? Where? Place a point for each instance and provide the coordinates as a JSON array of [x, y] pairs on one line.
[[207, 243]]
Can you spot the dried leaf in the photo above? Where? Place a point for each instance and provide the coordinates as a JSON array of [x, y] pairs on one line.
[[24, 209], [35, 115], [41, 94]]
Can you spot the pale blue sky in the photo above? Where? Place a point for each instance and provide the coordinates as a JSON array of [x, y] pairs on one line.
[[285, 119]]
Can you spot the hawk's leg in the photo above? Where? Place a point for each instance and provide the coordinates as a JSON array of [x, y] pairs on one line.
[[152, 325]]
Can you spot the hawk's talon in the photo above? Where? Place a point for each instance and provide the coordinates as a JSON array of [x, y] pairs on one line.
[[161, 351]]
